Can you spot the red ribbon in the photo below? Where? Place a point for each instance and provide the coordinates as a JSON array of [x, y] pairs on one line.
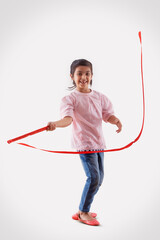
[[109, 150]]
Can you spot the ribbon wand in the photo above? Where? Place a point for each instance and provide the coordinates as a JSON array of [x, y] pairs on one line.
[[27, 134], [108, 150]]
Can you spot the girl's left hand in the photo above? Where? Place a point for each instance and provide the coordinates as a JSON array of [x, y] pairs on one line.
[[119, 125], [114, 120]]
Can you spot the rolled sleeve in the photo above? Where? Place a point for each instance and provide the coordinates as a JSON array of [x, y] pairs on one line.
[[67, 107]]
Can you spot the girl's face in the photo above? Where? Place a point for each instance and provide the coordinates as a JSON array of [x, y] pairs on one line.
[[82, 78]]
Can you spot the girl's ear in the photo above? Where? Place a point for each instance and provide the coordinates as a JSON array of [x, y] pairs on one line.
[[73, 79], [71, 76]]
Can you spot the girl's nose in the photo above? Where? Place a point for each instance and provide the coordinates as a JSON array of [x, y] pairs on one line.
[[84, 76]]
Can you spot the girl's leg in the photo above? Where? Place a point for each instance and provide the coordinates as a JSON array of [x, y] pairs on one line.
[[101, 168], [94, 169]]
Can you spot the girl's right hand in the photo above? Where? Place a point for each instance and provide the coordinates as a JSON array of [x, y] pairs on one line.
[[51, 126]]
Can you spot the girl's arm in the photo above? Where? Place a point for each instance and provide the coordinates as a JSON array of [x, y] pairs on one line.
[[114, 120], [64, 122]]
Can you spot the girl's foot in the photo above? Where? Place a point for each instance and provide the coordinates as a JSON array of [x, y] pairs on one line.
[[87, 219], [86, 216], [93, 215], [76, 215]]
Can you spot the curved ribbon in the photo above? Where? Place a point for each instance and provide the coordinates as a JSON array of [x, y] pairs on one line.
[[108, 150]]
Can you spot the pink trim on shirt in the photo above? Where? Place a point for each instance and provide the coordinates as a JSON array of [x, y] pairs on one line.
[[87, 110]]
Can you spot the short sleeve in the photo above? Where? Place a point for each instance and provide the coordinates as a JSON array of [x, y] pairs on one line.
[[67, 107], [107, 108]]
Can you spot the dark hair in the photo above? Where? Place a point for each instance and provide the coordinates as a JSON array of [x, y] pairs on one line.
[[77, 63]]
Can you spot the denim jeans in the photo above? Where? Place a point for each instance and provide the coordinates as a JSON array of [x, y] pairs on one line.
[[93, 164]]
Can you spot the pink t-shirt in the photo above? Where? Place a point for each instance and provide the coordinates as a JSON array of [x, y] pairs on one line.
[[87, 110]]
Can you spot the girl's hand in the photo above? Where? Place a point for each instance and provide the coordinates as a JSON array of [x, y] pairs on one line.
[[51, 126], [114, 120], [119, 125]]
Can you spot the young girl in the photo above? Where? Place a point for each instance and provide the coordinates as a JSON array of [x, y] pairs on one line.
[[85, 109]]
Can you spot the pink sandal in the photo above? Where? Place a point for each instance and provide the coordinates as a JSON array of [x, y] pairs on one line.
[[93, 222]]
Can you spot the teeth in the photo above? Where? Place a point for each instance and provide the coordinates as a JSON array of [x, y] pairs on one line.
[[83, 82]]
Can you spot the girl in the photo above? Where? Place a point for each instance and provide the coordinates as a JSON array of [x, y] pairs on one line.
[[85, 109]]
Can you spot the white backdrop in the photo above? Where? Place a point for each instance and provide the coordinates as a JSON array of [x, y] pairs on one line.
[[40, 191]]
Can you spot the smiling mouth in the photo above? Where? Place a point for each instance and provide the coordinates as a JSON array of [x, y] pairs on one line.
[[83, 82]]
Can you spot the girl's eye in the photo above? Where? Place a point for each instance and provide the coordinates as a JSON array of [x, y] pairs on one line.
[[80, 74]]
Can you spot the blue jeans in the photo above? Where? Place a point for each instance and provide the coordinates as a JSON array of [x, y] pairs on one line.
[[93, 164]]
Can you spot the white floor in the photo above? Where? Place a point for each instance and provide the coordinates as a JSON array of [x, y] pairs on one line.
[[38, 199]]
